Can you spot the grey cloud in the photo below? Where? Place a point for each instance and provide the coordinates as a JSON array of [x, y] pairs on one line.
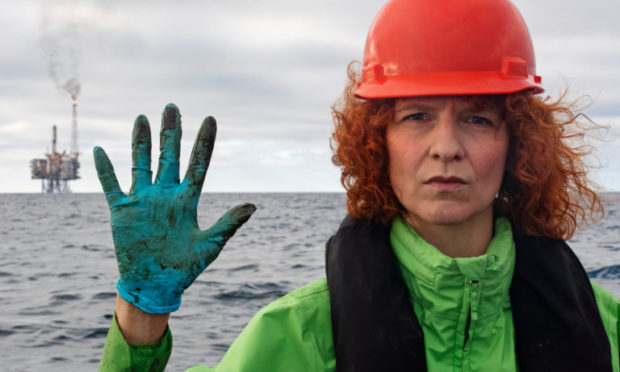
[[268, 70], [571, 17]]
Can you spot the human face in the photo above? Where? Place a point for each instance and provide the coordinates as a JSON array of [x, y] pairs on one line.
[[446, 159]]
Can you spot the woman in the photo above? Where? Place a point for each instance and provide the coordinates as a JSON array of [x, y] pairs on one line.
[[461, 186]]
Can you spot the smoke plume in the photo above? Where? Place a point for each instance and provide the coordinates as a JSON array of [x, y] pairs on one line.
[[60, 40], [72, 86]]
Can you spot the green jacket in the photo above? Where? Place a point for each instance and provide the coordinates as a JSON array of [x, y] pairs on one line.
[[294, 332]]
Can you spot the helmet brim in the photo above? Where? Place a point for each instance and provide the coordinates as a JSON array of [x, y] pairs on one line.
[[447, 83]]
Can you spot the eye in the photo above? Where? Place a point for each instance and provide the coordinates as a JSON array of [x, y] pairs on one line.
[[417, 116], [479, 120]]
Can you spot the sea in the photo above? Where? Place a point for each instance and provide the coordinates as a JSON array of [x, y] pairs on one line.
[[57, 273]]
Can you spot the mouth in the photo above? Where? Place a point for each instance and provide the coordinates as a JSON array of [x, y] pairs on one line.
[[445, 183]]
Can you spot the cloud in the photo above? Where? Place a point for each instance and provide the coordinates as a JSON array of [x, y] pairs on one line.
[[267, 70]]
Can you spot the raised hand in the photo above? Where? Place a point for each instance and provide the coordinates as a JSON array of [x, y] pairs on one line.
[[160, 249]]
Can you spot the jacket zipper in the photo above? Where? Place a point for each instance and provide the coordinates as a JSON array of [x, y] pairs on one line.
[[474, 294]]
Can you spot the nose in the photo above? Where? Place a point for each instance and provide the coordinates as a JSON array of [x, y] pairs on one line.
[[446, 145]]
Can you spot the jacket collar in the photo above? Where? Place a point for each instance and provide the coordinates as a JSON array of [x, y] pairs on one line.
[[438, 282]]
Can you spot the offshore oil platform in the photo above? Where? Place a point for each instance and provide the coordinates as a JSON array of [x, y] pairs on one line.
[[57, 168]]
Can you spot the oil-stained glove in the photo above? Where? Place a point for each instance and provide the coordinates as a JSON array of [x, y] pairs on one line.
[[159, 248]]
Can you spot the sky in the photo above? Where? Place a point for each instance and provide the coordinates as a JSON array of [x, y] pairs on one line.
[[268, 71]]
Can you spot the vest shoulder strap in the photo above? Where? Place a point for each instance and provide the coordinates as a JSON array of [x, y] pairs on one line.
[[557, 323], [371, 313]]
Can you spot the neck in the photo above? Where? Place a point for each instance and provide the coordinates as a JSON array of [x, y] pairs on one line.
[[469, 238]]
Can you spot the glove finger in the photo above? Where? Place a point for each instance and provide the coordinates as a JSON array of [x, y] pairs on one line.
[[213, 239], [169, 146], [141, 174], [201, 156], [107, 177]]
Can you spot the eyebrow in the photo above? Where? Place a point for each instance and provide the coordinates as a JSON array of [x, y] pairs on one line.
[[414, 104]]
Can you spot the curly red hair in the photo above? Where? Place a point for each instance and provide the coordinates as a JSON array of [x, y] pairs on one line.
[[545, 190]]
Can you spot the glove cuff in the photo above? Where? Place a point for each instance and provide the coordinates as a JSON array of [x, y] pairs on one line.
[[149, 297]]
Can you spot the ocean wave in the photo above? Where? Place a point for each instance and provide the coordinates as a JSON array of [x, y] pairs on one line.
[[607, 272], [57, 280]]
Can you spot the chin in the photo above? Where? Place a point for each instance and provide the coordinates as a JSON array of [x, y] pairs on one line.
[[445, 214], [446, 218]]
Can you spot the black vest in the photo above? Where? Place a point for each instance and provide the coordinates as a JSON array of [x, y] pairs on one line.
[[557, 323]]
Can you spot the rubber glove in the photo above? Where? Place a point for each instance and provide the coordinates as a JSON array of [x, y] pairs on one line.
[[159, 248]]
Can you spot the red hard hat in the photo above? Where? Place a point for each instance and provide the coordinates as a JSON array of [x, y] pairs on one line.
[[447, 47]]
